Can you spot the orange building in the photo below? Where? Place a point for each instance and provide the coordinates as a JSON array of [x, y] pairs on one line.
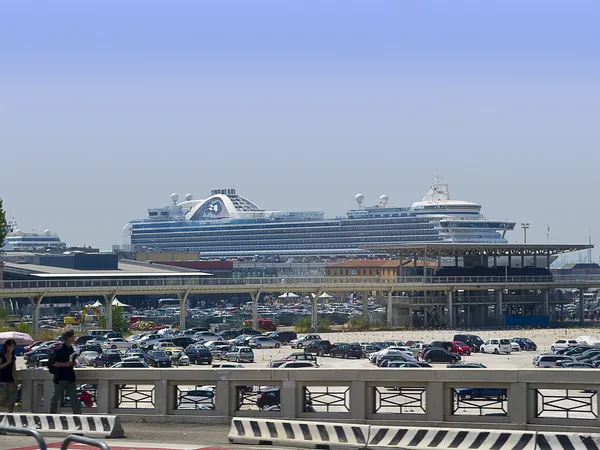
[[388, 270]]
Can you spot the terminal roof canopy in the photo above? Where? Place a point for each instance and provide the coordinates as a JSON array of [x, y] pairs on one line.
[[452, 249]]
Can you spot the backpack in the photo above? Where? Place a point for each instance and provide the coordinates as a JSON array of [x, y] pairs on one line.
[[51, 360]]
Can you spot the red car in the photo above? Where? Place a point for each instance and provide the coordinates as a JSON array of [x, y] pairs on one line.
[[461, 348]]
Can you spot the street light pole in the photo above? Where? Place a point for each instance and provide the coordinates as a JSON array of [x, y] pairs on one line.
[[525, 226]]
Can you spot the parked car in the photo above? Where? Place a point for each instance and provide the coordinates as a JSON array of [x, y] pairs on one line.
[[178, 357], [515, 346], [131, 362], [405, 365], [446, 345], [89, 348], [461, 348], [435, 355], [297, 356], [107, 359], [263, 342], [472, 340], [549, 360], [284, 336], [298, 365], [227, 366], [319, 348], [38, 351], [394, 355], [198, 398], [305, 340], [37, 360], [183, 342], [466, 366], [526, 344], [87, 358], [199, 355], [588, 354], [481, 393], [343, 350], [565, 364], [563, 343], [239, 354], [496, 346], [157, 358], [117, 343], [207, 336], [573, 351]]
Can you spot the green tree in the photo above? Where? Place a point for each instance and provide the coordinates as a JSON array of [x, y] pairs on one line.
[[119, 321], [3, 225]]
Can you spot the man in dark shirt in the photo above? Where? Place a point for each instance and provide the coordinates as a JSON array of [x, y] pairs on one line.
[[64, 374]]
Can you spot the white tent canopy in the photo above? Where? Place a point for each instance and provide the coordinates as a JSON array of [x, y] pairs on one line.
[[288, 295], [98, 304], [117, 302], [325, 295]]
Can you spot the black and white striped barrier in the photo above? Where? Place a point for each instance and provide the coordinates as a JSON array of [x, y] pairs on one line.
[[449, 438], [567, 441], [52, 424], [293, 433], [326, 435]]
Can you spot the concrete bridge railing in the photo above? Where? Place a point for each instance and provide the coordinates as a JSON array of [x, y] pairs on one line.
[[528, 398]]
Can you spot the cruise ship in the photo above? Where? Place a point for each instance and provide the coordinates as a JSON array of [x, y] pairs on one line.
[[20, 241], [227, 225]]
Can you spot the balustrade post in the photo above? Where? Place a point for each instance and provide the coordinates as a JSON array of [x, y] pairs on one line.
[[163, 397], [290, 397], [222, 399], [437, 401], [28, 396], [103, 396], [518, 403], [48, 393], [358, 400]]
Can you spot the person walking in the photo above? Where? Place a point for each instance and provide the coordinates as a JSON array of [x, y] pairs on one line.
[[8, 376], [61, 366]]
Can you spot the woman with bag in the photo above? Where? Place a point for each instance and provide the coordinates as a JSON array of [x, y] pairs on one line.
[[8, 376]]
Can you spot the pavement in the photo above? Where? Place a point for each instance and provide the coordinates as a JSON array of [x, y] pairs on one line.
[[142, 436]]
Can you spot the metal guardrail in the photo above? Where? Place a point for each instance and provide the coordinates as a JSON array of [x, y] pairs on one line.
[[27, 432], [83, 440]]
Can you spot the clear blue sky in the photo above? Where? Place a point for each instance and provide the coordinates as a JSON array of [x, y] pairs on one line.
[[106, 108]]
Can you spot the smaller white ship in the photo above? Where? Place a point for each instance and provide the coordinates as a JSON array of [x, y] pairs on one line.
[[18, 240]]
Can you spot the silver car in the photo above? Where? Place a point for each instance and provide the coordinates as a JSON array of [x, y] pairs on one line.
[[239, 354], [305, 340], [263, 342]]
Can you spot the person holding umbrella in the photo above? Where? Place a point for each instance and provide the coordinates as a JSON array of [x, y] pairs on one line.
[[8, 376]]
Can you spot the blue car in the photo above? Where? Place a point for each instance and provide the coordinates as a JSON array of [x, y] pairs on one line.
[[526, 344], [481, 393]]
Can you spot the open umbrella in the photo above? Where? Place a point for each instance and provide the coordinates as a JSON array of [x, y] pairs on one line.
[[20, 338], [95, 305], [325, 295]]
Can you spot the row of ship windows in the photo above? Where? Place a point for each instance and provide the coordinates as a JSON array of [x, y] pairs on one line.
[[305, 234], [258, 248], [196, 231], [358, 239], [269, 223]]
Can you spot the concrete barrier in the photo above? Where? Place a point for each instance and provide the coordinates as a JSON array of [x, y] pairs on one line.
[[60, 424], [567, 441], [300, 434], [330, 435], [448, 438]]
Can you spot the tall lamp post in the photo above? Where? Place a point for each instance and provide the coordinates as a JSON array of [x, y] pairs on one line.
[[525, 225]]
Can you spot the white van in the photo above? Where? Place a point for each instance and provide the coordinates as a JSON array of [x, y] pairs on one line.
[[98, 333], [496, 346]]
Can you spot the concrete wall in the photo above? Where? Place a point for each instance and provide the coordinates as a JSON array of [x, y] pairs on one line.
[[537, 398]]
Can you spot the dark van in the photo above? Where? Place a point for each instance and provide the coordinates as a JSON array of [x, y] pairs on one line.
[[472, 340]]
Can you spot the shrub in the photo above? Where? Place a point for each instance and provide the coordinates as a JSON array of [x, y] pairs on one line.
[[304, 325]]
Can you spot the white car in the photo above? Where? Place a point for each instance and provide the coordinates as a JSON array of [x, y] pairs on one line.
[[163, 345], [305, 340], [207, 336], [496, 346], [117, 343], [227, 366], [178, 357], [561, 344], [299, 365], [515, 347]]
